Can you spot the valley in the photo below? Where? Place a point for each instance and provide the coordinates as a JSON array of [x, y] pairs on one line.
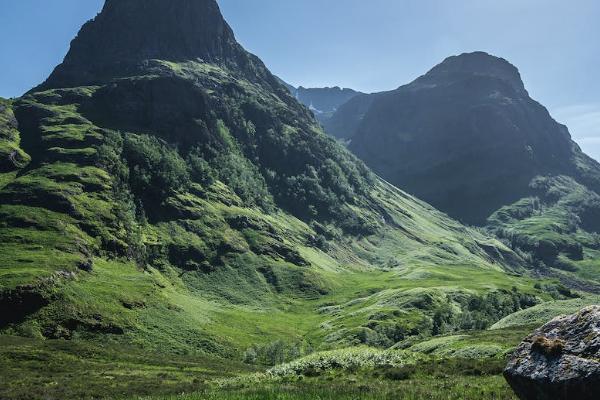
[[175, 224]]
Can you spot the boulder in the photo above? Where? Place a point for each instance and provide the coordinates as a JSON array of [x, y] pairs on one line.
[[561, 360]]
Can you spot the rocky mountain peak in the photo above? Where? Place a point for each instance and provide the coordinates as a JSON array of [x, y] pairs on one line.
[[475, 64], [128, 32]]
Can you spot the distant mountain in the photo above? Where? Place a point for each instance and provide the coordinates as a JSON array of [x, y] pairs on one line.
[[344, 123], [323, 102], [467, 138]]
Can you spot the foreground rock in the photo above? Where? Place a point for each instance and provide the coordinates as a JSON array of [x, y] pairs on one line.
[[561, 360]]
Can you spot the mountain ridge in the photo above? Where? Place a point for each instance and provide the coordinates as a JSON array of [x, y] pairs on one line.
[[467, 138], [169, 190], [117, 42], [169, 223], [322, 102], [494, 87]]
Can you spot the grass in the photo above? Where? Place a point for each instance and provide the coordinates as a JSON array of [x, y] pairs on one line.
[[141, 301], [93, 370], [488, 344], [58, 369], [544, 312], [12, 157], [561, 214], [366, 374], [414, 389]]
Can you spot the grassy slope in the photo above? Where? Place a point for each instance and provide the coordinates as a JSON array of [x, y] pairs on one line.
[[558, 228], [61, 215], [369, 374], [12, 157], [542, 313]]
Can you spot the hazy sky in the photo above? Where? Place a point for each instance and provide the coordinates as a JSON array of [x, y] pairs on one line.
[[366, 45]]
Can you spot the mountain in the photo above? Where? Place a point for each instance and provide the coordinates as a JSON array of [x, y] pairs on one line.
[[467, 138], [123, 36], [323, 102], [344, 123], [170, 215]]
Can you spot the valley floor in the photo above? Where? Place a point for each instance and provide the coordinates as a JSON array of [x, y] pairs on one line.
[[61, 370], [434, 388], [459, 365], [83, 370]]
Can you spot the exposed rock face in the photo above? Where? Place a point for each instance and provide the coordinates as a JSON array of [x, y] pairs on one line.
[[465, 137], [323, 102], [344, 123], [559, 361], [128, 33]]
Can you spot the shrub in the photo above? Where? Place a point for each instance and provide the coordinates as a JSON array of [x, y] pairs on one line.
[[156, 170], [200, 169], [399, 373], [274, 353], [244, 179], [350, 359]]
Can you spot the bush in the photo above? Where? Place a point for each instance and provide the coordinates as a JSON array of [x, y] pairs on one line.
[[128, 211], [155, 169], [350, 359], [275, 353], [244, 179], [480, 312], [399, 373], [200, 170]]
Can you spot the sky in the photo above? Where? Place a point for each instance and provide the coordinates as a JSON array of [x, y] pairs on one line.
[[365, 45]]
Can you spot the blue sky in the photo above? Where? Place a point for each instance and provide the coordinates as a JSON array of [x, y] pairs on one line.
[[367, 45]]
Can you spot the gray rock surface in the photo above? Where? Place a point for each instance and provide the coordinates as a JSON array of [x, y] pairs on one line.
[[561, 360]]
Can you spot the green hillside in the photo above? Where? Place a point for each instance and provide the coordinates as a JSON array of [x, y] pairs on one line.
[[92, 248], [170, 215], [557, 229], [468, 138]]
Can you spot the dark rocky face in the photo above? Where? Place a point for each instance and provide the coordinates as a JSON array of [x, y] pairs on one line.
[[560, 360], [344, 123], [129, 32], [465, 137]]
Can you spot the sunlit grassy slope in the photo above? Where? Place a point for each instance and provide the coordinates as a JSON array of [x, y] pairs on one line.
[[557, 229], [117, 238], [201, 270], [366, 374]]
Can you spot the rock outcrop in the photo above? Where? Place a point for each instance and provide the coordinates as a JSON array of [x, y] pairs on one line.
[[559, 361], [127, 34]]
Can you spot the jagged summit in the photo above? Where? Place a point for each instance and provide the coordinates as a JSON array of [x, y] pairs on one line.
[[477, 63], [128, 32]]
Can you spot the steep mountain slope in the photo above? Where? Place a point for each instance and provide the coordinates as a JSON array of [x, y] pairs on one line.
[[344, 123], [12, 158], [323, 102], [467, 138], [165, 191]]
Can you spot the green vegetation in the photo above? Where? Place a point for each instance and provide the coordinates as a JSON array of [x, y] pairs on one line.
[[369, 374], [557, 229], [12, 157], [58, 369], [82, 369], [156, 171], [544, 312], [183, 229]]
